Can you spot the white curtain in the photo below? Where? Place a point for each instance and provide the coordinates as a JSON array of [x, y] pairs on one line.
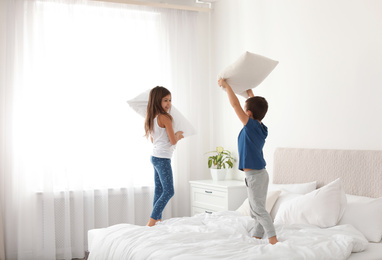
[[2, 250], [74, 153]]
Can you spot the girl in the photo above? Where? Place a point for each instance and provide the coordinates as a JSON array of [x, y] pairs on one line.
[[158, 125]]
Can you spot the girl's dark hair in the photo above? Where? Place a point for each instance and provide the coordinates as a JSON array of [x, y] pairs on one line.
[[258, 106], [154, 107]]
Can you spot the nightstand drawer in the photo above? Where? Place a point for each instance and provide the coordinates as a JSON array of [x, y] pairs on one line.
[[209, 198], [197, 210]]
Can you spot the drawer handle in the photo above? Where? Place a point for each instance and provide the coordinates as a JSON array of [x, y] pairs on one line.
[[209, 212], [207, 191]]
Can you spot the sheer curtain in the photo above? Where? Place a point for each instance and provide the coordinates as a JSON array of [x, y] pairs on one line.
[[2, 251], [75, 156]]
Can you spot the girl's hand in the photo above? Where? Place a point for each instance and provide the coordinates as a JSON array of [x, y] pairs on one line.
[[179, 135], [222, 83]]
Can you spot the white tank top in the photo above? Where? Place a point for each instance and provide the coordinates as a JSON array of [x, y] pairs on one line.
[[162, 145]]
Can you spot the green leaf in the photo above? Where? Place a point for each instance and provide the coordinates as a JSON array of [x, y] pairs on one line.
[[221, 159], [230, 163]]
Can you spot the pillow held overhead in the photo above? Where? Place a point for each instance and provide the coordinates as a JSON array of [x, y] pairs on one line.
[[180, 123], [247, 72]]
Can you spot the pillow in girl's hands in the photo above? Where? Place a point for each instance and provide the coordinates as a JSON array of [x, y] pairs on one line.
[[247, 72], [139, 103], [180, 123]]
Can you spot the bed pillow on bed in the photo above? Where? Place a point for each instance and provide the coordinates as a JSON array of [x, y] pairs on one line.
[[290, 191], [300, 188], [365, 214], [272, 196], [180, 123], [282, 199], [323, 207], [247, 72]]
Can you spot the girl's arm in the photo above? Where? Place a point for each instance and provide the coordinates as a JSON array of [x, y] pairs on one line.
[[174, 137], [234, 102]]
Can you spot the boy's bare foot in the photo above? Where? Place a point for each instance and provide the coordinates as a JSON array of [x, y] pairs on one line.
[[273, 240], [152, 222], [257, 237]]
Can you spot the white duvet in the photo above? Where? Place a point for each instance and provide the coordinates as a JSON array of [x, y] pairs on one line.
[[222, 235]]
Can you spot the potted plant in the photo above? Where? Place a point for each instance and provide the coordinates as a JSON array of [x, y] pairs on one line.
[[219, 163]]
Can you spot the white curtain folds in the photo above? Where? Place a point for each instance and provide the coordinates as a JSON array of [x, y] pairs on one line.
[[73, 153], [2, 250]]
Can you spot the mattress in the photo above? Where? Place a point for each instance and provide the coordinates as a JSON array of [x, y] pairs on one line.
[[372, 251], [224, 235]]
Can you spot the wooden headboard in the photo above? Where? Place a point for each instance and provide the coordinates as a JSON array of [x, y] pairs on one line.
[[360, 170]]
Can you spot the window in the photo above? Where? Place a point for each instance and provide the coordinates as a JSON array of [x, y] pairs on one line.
[[81, 66]]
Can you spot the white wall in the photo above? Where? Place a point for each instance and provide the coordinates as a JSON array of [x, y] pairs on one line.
[[326, 91]]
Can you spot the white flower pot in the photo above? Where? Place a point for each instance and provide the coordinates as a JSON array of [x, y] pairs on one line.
[[218, 174]]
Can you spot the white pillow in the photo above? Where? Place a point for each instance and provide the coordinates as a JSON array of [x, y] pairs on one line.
[[282, 199], [290, 191], [244, 209], [180, 123], [300, 188], [365, 214], [323, 207], [247, 72]]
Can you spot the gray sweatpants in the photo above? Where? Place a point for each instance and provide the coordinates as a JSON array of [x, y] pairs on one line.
[[257, 187]]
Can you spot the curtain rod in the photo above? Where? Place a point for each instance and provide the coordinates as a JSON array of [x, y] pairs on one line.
[[160, 5]]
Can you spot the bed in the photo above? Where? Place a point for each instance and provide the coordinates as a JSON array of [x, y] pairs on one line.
[[326, 204]]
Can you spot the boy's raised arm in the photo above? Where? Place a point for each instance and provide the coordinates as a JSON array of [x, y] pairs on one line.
[[250, 93], [235, 103]]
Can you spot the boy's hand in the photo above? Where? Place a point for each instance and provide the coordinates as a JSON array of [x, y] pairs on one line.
[[250, 93]]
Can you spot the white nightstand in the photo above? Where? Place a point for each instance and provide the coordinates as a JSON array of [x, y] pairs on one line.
[[210, 196]]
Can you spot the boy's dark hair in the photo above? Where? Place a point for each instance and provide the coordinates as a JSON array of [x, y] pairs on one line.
[[258, 106]]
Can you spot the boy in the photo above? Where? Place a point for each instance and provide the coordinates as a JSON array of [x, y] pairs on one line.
[[250, 143]]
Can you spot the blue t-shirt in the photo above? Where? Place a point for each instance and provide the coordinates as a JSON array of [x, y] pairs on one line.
[[251, 142]]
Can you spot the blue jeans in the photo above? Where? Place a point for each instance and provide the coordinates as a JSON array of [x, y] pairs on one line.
[[164, 187]]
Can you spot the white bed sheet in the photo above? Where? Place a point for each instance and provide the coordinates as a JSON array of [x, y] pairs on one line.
[[372, 252], [221, 235]]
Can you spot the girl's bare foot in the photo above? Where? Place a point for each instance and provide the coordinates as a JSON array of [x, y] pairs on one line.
[[152, 222], [273, 240]]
